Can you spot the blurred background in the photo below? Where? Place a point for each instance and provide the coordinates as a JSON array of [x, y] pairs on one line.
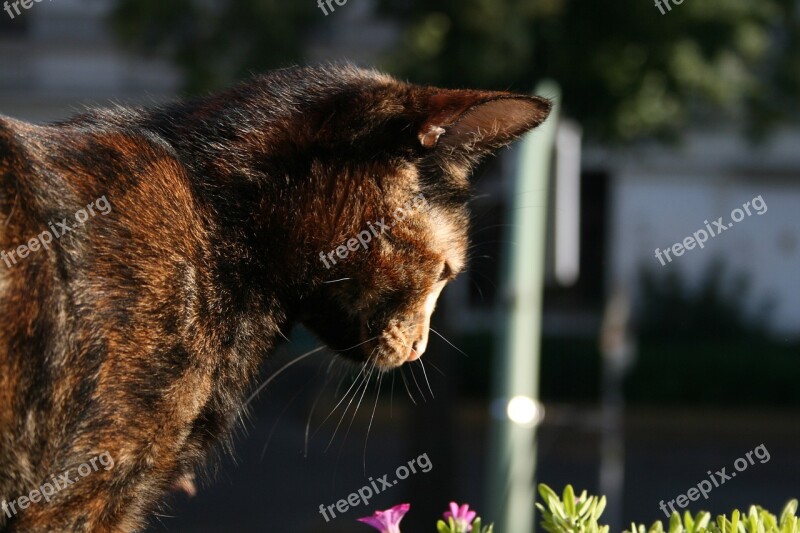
[[640, 377]]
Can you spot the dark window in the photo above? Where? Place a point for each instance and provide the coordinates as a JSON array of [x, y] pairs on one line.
[[16, 27], [589, 289]]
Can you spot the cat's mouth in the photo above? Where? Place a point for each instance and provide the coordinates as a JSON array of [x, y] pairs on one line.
[[395, 345], [403, 338]]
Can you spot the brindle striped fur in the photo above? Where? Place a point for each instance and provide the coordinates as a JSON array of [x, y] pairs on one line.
[[141, 332]]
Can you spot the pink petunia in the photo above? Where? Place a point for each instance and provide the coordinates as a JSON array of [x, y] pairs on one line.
[[462, 516], [387, 521]]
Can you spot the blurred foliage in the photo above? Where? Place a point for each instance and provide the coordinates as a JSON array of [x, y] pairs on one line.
[[215, 42], [571, 514], [627, 71], [709, 329], [715, 309]]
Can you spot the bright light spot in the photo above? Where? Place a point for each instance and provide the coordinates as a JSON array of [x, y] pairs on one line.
[[524, 411]]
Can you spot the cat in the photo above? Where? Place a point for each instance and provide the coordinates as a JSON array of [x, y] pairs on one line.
[[186, 239]]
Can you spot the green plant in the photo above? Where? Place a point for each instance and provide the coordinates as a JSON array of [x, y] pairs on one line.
[[569, 514]]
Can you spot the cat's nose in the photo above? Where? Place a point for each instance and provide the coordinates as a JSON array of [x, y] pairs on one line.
[[417, 349], [424, 324]]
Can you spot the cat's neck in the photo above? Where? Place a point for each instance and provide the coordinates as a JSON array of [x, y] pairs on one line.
[[264, 204]]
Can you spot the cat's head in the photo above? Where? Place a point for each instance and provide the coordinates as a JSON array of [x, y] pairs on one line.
[[390, 165]]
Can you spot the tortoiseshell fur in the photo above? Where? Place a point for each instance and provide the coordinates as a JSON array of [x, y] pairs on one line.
[[140, 332]]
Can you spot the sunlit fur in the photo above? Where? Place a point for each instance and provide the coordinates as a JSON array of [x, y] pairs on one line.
[[141, 332]]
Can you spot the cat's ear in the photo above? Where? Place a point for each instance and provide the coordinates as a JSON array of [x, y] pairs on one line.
[[478, 121]]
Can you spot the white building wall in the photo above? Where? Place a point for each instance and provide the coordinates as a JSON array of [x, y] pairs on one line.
[[655, 206]]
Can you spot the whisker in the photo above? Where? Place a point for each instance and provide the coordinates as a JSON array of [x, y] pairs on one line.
[[450, 343], [422, 365], [365, 384], [360, 344], [472, 258], [479, 197], [414, 377], [502, 241], [477, 285], [314, 406], [436, 368], [480, 291], [358, 405], [361, 399], [339, 384], [278, 373], [405, 383], [493, 226], [283, 412], [284, 336], [369, 427], [391, 398], [484, 276], [344, 440], [344, 397], [337, 280]]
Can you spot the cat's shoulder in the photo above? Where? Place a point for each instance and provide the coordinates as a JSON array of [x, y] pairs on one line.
[[13, 134]]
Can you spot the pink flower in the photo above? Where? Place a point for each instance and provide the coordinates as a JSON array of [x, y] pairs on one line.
[[387, 521], [462, 516]]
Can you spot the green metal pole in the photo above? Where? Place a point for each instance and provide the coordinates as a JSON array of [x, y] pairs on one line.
[[515, 406]]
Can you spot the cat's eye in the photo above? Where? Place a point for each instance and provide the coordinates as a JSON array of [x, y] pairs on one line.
[[446, 274]]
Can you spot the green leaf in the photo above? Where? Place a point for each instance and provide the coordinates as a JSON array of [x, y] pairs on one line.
[[723, 524], [569, 500], [675, 525], [557, 508], [789, 510], [601, 506], [735, 521], [546, 492], [584, 506], [688, 523]]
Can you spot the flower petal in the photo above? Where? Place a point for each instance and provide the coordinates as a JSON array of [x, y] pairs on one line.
[[387, 521]]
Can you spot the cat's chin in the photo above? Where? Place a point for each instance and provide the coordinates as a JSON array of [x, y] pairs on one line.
[[382, 358], [390, 362], [390, 352], [385, 352]]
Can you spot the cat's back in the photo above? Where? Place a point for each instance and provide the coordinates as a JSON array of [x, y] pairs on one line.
[[102, 247], [94, 212], [97, 145]]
